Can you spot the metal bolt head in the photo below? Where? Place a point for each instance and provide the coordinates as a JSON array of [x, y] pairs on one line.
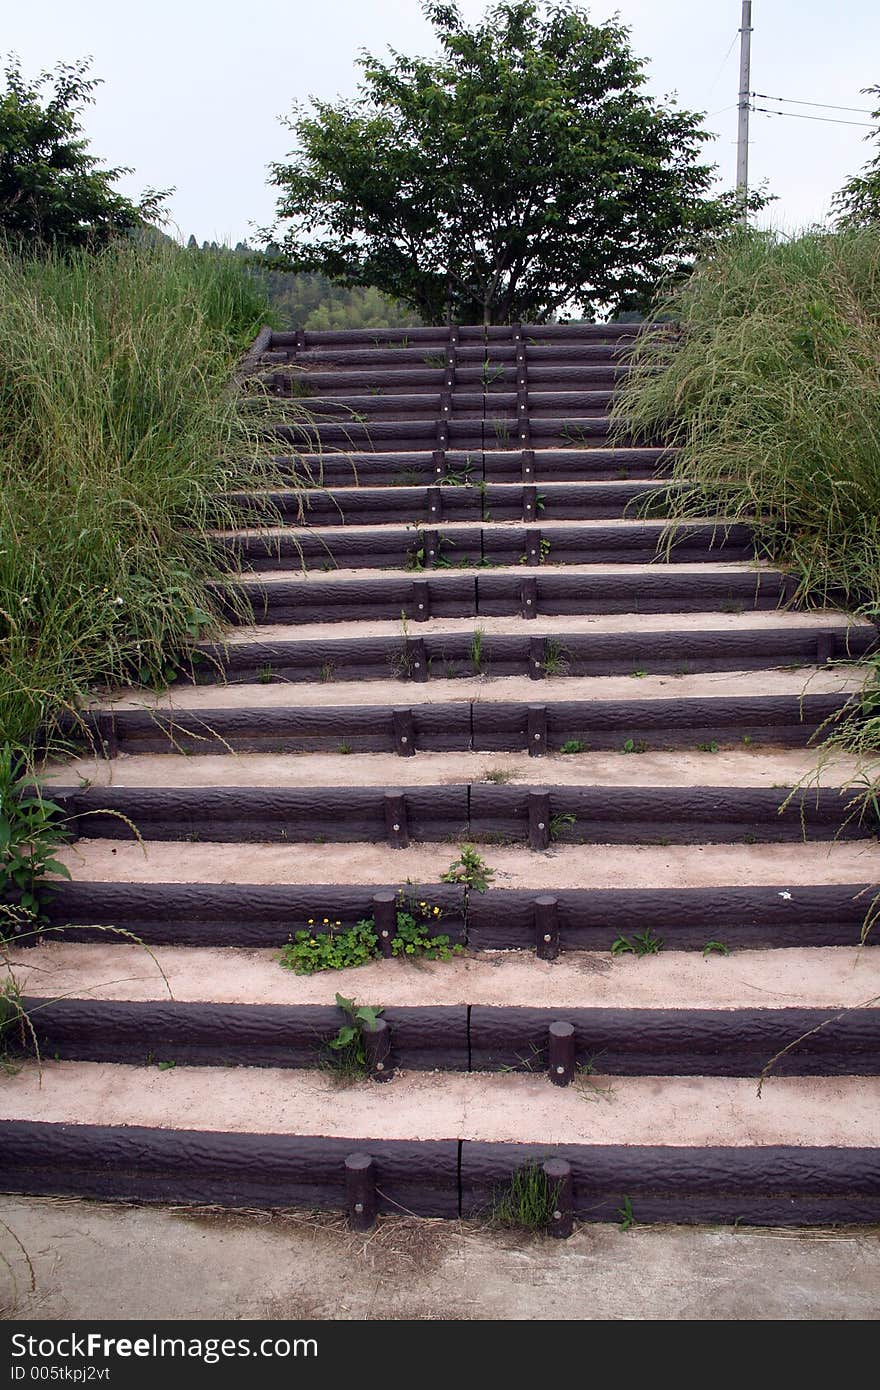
[[358, 1206], [385, 933], [395, 826], [403, 738], [380, 1066], [560, 1071], [557, 1216], [547, 936], [537, 738], [540, 825]]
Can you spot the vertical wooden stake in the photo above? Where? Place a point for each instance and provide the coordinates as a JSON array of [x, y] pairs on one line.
[[537, 655], [360, 1191], [395, 820], [533, 547], [438, 458], [561, 1053], [557, 1171], [530, 503], [416, 659], [546, 916], [404, 732], [106, 733], [435, 504], [385, 917], [528, 599], [377, 1046], [431, 542], [536, 726], [420, 605], [528, 465], [824, 647], [539, 818]]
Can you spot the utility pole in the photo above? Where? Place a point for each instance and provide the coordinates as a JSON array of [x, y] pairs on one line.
[[742, 140]]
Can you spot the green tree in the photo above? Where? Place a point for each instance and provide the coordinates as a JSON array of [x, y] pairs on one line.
[[858, 202], [53, 193], [522, 171]]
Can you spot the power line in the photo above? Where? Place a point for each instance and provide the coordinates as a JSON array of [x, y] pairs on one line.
[[827, 105], [800, 116]]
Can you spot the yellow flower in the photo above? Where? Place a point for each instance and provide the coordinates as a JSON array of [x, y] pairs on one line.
[[423, 904], [326, 921], [338, 924], [312, 941], [436, 912], [311, 921]]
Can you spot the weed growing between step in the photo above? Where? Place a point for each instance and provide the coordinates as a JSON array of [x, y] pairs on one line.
[[31, 831], [346, 1056], [527, 1202], [641, 943], [327, 945]]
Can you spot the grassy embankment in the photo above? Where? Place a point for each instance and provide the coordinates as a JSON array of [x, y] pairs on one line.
[[772, 395], [120, 444]]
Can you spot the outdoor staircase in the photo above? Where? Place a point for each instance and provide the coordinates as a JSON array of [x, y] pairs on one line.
[[475, 579]]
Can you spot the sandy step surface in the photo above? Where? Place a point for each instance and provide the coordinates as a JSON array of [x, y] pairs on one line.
[[563, 866], [712, 685], [781, 768], [695, 1111], [817, 977]]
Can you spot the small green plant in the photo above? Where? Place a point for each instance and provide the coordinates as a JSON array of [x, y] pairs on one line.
[[265, 675], [638, 675], [641, 943], [707, 747], [346, 1055], [413, 938], [31, 830], [345, 748], [634, 745], [627, 1218], [572, 745], [528, 1201], [330, 946], [477, 651], [560, 822], [502, 433], [747, 740], [165, 1066], [327, 673], [556, 658], [470, 869], [500, 776], [716, 948], [544, 548]]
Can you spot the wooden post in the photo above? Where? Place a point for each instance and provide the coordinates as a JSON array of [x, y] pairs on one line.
[[530, 502], [395, 819], [385, 917], [360, 1191], [377, 1046], [106, 733], [438, 459], [537, 654], [416, 659], [435, 504], [404, 732], [431, 542], [824, 647], [533, 547], [561, 1053], [522, 418], [536, 726], [546, 917], [421, 600], [528, 465], [528, 599], [557, 1171], [539, 818]]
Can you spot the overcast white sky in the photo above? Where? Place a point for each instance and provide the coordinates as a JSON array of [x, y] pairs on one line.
[[193, 88]]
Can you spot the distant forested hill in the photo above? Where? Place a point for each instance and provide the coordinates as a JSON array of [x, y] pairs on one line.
[[313, 301]]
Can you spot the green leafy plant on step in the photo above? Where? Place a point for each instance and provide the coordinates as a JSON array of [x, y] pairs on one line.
[[265, 675], [527, 1202], [634, 745], [641, 943], [31, 831], [716, 948], [573, 745], [469, 869], [500, 776], [555, 661], [346, 1056], [707, 747], [638, 675], [327, 673], [626, 1216], [330, 946], [561, 821], [544, 547], [414, 939]]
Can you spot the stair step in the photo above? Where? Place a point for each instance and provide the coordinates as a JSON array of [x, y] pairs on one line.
[[804, 1152], [499, 466]]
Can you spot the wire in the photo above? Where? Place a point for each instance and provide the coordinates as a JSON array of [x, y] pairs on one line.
[[800, 116], [827, 105]]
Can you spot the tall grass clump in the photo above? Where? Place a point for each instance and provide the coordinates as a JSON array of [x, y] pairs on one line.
[[771, 394], [121, 444]]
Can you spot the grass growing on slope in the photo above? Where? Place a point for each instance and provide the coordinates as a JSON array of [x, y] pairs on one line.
[[772, 394], [120, 445]]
